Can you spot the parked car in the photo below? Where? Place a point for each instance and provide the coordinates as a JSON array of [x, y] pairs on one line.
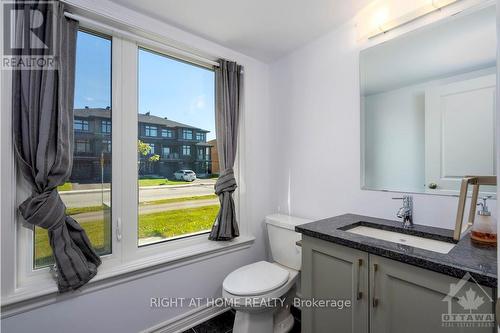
[[186, 175]]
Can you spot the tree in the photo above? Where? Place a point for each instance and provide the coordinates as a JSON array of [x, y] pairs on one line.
[[144, 150]]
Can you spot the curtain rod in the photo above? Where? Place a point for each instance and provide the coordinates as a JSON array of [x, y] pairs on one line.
[[140, 39]]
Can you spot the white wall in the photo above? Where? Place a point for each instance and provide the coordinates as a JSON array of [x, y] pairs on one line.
[[125, 307], [316, 100]]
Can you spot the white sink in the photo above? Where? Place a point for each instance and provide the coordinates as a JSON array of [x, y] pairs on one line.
[[410, 240]]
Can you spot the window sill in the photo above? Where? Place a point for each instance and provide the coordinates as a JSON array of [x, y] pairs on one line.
[[45, 292]]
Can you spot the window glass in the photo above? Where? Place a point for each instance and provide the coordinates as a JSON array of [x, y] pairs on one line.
[[186, 150], [176, 97], [166, 133], [87, 193], [165, 152], [151, 131], [187, 134], [81, 125], [106, 126], [106, 146]]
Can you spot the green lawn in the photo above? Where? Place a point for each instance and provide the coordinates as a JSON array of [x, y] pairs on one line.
[[89, 209], [173, 200], [43, 252], [164, 224], [160, 182], [177, 222], [65, 187]]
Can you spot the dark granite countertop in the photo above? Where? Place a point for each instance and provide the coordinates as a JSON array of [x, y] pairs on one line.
[[480, 262]]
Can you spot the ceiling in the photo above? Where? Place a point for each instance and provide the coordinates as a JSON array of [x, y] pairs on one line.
[[263, 29], [458, 45]]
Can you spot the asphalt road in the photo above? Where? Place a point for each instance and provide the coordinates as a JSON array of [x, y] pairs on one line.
[[86, 199]]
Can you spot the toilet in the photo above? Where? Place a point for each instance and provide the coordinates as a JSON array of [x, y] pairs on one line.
[[262, 292]]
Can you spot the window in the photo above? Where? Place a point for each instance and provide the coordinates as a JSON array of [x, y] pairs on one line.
[[150, 131], [166, 133], [155, 220], [200, 136], [186, 150], [105, 126], [167, 88], [82, 146], [91, 169], [106, 146], [165, 152], [187, 134], [200, 153], [81, 125], [152, 148]]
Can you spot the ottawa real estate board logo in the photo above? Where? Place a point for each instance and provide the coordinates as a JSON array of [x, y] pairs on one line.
[[28, 37], [469, 305]]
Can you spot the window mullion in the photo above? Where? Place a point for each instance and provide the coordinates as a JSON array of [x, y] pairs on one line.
[[129, 193], [116, 142]]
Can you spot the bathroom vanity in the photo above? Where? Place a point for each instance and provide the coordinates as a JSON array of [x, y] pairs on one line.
[[432, 285]]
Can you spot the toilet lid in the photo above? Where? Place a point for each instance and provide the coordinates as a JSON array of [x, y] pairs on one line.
[[255, 279]]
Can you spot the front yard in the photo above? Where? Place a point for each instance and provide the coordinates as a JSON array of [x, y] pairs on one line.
[[162, 224], [144, 182]]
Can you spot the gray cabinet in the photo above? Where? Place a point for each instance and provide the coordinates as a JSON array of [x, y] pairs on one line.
[[387, 296], [334, 273], [409, 299]]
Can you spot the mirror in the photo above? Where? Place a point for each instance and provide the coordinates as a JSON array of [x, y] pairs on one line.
[[428, 106]]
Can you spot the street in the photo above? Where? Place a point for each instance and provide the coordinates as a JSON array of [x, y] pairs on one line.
[[74, 199]]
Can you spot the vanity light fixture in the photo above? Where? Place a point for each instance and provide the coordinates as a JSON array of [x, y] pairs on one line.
[[387, 15]]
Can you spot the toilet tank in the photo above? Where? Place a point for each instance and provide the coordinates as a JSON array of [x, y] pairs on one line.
[[283, 238]]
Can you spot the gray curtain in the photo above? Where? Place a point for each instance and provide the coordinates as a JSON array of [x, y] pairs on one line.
[[43, 138], [228, 96]]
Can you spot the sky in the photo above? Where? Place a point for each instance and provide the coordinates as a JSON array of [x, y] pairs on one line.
[[167, 87]]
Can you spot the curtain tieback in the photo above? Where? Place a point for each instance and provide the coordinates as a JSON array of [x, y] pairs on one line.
[[226, 182], [45, 210]]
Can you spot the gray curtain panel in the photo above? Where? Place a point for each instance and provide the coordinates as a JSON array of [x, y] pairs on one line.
[[43, 138], [228, 96]]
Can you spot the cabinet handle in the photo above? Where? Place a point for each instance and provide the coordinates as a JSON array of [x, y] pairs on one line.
[[359, 294], [374, 299]]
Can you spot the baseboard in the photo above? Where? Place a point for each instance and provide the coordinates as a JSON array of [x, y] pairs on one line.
[[187, 320]]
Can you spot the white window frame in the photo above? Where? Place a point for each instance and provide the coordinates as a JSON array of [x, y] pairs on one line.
[[20, 282]]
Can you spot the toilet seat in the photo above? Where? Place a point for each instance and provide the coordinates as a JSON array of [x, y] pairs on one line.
[[255, 279]]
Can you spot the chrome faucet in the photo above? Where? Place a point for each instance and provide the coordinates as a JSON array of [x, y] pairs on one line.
[[406, 212]]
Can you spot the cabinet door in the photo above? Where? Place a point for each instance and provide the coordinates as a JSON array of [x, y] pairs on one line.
[[333, 272], [404, 298]]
